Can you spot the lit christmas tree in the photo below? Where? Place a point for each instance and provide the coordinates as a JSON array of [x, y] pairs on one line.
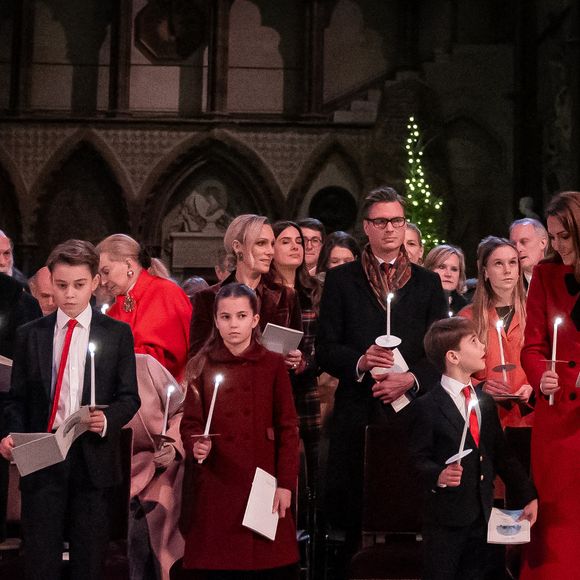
[[423, 208]]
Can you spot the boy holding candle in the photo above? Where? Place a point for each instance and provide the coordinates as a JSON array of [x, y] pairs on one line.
[[51, 379], [460, 495]]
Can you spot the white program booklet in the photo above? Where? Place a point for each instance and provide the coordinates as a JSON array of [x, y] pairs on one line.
[[399, 366], [35, 451], [258, 516], [504, 527], [5, 373], [281, 339]]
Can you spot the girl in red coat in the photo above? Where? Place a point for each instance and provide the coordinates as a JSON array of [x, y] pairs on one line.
[[255, 418], [555, 292]]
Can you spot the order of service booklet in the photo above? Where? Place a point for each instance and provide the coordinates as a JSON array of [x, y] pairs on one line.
[[35, 451], [504, 527], [281, 339], [258, 516]]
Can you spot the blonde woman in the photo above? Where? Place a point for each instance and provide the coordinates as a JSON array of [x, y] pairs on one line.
[[500, 295], [449, 262]]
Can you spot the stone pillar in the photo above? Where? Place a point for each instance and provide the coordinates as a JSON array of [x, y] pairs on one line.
[[120, 61], [218, 48], [313, 56]]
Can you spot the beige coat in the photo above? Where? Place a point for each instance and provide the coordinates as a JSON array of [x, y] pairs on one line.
[[162, 488]]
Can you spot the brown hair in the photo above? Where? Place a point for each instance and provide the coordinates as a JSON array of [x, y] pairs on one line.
[[566, 207], [484, 296], [234, 290], [74, 253], [445, 335], [439, 254], [379, 195]]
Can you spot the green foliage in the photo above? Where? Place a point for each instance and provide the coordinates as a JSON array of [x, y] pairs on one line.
[[423, 208]]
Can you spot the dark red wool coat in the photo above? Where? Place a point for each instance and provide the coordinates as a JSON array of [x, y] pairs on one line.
[[257, 425]]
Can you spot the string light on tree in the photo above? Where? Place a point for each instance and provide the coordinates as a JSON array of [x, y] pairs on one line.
[[423, 208]]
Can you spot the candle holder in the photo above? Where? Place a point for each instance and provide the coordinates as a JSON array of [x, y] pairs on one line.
[[160, 440]]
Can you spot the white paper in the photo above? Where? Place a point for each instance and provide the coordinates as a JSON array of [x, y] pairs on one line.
[[35, 451], [399, 366], [5, 374], [503, 527], [281, 339], [258, 516]]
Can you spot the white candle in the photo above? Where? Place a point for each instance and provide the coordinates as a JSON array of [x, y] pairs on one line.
[[92, 349], [218, 380], [390, 297], [469, 407], [499, 326], [557, 323], [170, 390]]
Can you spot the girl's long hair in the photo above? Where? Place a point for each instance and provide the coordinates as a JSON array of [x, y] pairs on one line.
[[336, 240], [197, 363], [484, 298], [307, 287]]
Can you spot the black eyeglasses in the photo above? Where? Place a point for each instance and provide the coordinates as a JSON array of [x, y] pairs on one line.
[[381, 223]]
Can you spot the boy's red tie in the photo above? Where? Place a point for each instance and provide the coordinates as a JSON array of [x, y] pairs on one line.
[[61, 367], [473, 424]]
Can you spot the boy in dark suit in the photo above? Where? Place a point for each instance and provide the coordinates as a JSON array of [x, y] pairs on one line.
[[50, 381], [460, 496]]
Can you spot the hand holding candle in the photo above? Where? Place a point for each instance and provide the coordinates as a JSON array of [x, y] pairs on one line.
[[92, 349], [217, 381], [557, 323], [170, 390]]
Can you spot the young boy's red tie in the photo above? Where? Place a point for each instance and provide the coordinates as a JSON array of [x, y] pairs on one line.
[[473, 424]]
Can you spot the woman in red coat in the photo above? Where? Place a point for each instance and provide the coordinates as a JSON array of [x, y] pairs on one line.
[[255, 418], [554, 292], [157, 310]]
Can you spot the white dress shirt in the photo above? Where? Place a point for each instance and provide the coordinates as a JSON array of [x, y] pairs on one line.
[[454, 389], [73, 379]]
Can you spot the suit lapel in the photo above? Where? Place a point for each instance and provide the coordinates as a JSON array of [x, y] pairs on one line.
[[449, 409], [360, 279], [45, 354]]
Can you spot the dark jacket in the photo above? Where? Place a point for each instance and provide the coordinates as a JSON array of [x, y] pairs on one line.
[[435, 436], [278, 305], [30, 398]]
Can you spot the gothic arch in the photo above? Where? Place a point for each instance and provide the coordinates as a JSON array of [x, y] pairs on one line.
[[80, 198], [218, 154], [69, 146], [322, 153]]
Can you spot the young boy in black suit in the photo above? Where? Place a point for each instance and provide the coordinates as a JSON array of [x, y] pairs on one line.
[[459, 496], [50, 381]]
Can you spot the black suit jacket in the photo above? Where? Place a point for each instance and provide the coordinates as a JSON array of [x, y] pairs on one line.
[[30, 397], [435, 436], [351, 319]]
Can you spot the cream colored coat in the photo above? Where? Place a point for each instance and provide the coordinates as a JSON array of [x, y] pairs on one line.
[[162, 488]]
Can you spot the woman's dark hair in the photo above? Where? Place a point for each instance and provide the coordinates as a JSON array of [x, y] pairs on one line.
[[233, 290], [307, 287], [566, 207], [336, 240]]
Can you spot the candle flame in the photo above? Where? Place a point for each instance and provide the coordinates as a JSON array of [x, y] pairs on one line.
[[219, 379], [170, 389], [104, 308], [558, 321], [450, 313], [390, 296], [92, 347], [499, 324]]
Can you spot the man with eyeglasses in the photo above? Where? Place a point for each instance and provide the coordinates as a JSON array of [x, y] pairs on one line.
[[352, 316], [313, 233]]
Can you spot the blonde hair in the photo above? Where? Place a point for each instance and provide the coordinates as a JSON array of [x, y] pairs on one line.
[[439, 254], [121, 247], [245, 229], [484, 297]]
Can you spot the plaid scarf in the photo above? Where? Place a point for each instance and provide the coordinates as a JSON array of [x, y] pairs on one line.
[[385, 278]]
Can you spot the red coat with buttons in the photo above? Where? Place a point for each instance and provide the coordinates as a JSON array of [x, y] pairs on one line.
[[553, 552], [256, 421]]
